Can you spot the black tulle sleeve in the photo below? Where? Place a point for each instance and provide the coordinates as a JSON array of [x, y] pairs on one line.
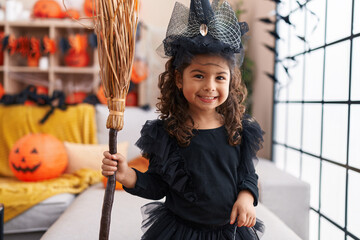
[[150, 184], [251, 142], [166, 168]]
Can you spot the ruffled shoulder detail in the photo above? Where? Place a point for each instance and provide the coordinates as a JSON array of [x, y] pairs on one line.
[[251, 139], [165, 158]]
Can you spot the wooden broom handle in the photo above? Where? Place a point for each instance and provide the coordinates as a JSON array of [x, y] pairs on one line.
[[109, 192]]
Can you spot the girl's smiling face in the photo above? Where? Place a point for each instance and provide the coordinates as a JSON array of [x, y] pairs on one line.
[[205, 83]]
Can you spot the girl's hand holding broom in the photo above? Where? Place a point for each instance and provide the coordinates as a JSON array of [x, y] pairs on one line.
[[118, 165]]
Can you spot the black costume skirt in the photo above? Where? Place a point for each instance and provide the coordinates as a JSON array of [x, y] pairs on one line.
[[161, 224]]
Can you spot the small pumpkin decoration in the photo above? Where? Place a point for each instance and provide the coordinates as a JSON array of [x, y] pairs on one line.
[[76, 97], [131, 99], [72, 13], [40, 90], [77, 59], [33, 60], [88, 8], [140, 163], [37, 157], [47, 9], [2, 91], [101, 95], [139, 71]]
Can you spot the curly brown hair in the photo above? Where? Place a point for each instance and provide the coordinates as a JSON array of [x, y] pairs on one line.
[[173, 106]]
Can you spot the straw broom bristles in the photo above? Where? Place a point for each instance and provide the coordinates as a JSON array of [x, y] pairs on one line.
[[116, 22]]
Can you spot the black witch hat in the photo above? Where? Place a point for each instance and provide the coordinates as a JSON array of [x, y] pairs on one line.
[[203, 28]]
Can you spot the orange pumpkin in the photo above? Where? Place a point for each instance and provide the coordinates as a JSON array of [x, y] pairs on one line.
[[76, 97], [33, 60], [39, 90], [101, 95], [2, 91], [37, 157], [88, 8], [74, 59], [131, 99], [47, 9], [140, 163], [72, 13], [139, 71]]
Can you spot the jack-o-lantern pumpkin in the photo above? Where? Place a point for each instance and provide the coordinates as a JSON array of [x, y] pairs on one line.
[[37, 157], [47, 9], [77, 59]]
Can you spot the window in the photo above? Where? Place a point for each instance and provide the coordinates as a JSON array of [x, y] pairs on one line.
[[316, 129]]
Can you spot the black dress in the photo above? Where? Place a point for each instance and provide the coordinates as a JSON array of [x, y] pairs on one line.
[[200, 182]]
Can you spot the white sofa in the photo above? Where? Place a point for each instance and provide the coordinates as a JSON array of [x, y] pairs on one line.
[[284, 201]]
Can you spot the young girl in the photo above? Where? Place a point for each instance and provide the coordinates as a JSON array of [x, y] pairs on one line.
[[201, 150]]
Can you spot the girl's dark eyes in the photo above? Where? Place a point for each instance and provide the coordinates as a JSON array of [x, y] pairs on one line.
[[201, 77]]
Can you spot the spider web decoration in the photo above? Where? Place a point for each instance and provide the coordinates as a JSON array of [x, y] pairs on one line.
[[288, 62]]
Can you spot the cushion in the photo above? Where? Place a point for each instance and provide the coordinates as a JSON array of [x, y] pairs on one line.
[[89, 155], [75, 124], [126, 218], [45, 213]]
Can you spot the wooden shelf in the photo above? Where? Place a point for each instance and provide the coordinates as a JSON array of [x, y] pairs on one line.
[[21, 69], [44, 23], [72, 70], [15, 65]]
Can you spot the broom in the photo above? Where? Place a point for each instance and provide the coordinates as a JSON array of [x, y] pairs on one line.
[[115, 26]]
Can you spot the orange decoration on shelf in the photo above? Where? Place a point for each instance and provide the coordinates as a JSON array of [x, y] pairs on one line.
[[35, 47], [23, 46], [33, 60], [74, 59], [139, 71], [131, 99], [49, 45], [2, 91], [37, 157], [101, 95], [12, 45], [72, 13], [1, 57], [47, 9], [78, 42], [76, 97], [88, 8]]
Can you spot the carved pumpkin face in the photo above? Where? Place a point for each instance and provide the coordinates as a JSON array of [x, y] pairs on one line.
[[47, 9], [37, 157], [74, 59]]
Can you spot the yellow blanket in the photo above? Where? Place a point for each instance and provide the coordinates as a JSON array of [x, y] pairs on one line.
[[19, 196], [76, 124]]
